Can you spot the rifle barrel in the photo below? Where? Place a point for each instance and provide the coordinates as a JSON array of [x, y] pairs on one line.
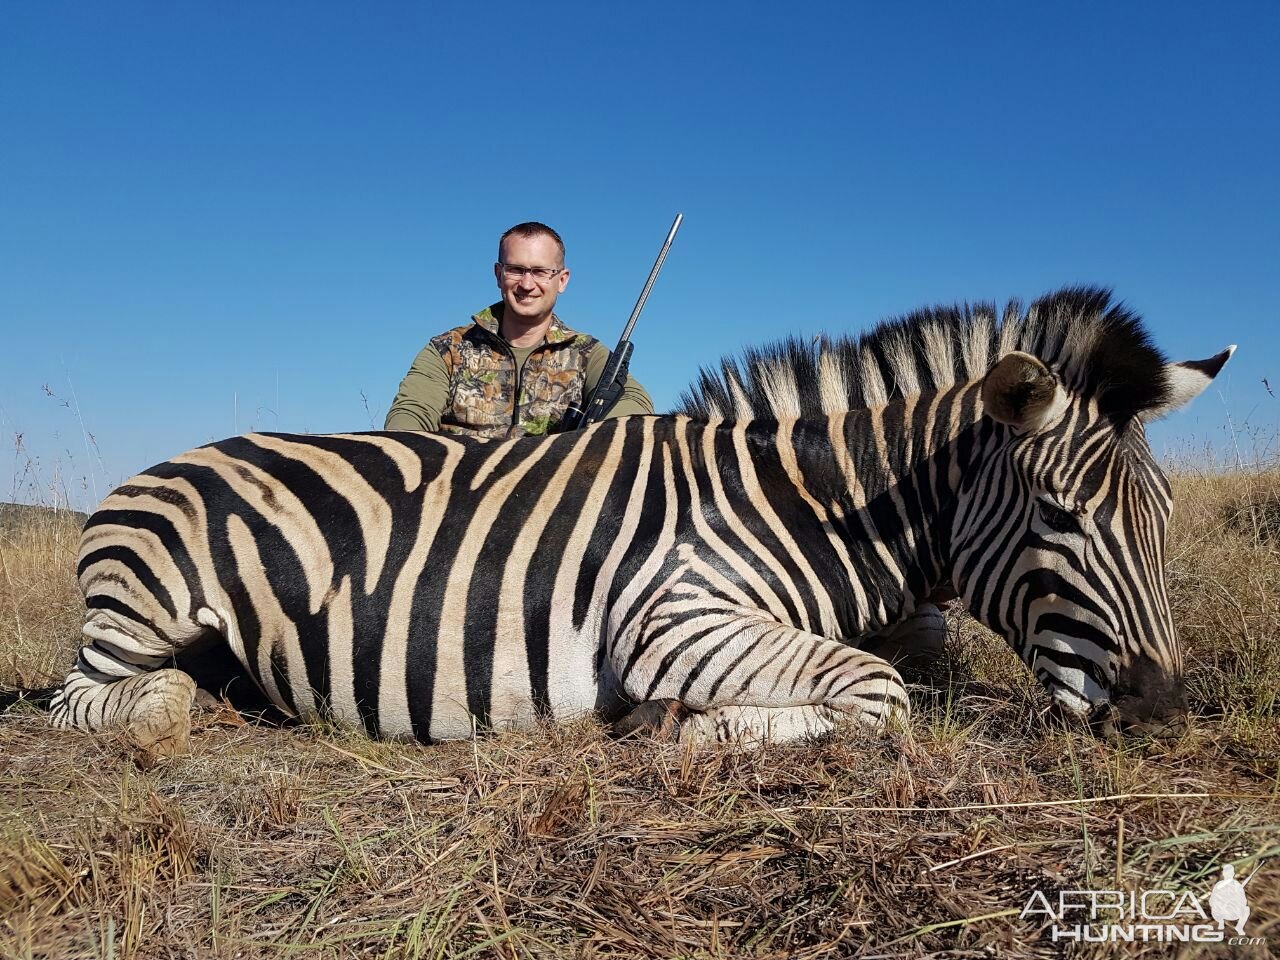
[[648, 284], [614, 375]]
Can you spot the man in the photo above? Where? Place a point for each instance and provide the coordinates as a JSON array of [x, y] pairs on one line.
[[515, 368]]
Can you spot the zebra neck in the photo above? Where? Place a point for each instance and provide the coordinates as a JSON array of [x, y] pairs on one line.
[[888, 478]]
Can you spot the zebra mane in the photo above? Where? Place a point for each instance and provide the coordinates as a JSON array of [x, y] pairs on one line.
[[1097, 347]]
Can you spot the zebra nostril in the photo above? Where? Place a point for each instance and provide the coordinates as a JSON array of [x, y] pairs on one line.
[[1167, 728], [1150, 700], [1160, 714]]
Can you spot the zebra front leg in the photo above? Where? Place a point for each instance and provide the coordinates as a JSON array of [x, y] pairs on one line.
[[116, 684], [920, 639], [750, 726], [732, 658], [753, 726], [745, 726]]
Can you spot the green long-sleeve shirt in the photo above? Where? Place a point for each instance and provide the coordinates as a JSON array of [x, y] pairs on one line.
[[424, 392]]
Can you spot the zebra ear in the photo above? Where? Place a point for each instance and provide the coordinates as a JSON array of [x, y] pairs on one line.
[[1021, 392], [1186, 381]]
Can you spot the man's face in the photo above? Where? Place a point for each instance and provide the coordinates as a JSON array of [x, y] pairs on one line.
[[525, 296]]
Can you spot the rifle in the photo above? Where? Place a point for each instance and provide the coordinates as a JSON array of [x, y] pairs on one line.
[[614, 378]]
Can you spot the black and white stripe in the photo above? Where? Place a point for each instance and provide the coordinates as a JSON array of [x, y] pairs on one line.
[[1053, 530]]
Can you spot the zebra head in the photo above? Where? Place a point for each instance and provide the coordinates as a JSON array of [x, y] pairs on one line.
[[1050, 509], [1059, 538]]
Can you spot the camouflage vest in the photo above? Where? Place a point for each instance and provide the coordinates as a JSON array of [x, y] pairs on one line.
[[484, 381]]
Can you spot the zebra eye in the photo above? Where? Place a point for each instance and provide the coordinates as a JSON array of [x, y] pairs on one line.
[[1059, 520]]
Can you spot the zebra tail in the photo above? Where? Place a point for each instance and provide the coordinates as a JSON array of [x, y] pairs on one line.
[[38, 697]]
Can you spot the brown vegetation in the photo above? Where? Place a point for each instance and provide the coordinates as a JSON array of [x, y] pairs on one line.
[[313, 842]]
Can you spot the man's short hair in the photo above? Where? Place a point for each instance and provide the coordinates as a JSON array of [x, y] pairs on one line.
[[531, 229]]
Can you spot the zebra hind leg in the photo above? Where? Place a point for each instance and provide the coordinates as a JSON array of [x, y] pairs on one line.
[[118, 683]]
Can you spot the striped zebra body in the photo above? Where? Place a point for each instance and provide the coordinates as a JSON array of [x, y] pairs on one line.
[[424, 586], [429, 587]]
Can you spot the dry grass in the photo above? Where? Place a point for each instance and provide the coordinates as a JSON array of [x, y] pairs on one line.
[[40, 605], [1224, 581], [312, 842]]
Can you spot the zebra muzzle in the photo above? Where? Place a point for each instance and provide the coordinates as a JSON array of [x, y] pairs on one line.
[[1133, 718]]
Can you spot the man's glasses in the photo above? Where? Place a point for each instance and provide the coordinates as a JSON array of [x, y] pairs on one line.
[[513, 271]]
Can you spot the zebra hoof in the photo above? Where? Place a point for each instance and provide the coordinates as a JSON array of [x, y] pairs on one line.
[[162, 736], [160, 722], [659, 719]]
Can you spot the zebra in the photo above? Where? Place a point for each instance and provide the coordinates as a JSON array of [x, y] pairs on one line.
[[721, 567]]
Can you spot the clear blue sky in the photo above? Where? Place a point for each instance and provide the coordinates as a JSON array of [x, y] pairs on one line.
[[229, 216]]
